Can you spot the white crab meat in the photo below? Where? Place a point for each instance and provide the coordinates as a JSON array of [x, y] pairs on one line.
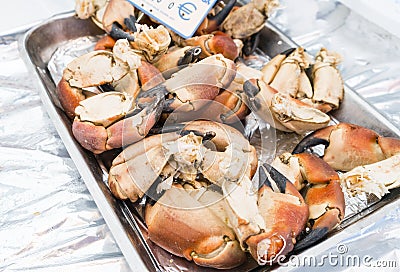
[[376, 178], [243, 213], [185, 155], [104, 109]]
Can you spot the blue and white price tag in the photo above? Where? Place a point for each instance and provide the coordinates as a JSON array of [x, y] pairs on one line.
[[182, 16]]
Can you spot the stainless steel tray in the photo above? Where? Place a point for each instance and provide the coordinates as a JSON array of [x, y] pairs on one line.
[[37, 47]]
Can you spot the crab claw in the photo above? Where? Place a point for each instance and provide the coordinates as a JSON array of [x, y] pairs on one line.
[[177, 58], [138, 166], [105, 43], [194, 86], [327, 81], [119, 20], [286, 213], [348, 145], [109, 120], [323, 192], [215, 43], [282, 111], [185, 235], [213, 21]]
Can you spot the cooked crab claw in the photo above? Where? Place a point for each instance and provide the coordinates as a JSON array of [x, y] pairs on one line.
[[368, 158], [348, 145], [117, 32], [119, 19], [284, 212], [196, 85], [120, 70], [110, 120], [317, 82], [322, 191], [176, 223], [376, 178], [177, 58], [281, 110], [215, 18], [216, 42]]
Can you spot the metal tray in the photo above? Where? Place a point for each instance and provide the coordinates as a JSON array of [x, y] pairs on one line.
[[37, 47]]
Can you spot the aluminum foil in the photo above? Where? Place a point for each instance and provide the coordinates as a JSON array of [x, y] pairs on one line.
[[48, 219]]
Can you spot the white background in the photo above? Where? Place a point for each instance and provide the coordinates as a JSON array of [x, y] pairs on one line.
[[17, 14]]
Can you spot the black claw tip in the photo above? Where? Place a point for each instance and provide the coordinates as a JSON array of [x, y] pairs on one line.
[[191, 56], [118, 33], [131, 23], [311, 238], [289, 51], [167, 128], [154, 193], [308, 142], [272, 178], [250, 89]]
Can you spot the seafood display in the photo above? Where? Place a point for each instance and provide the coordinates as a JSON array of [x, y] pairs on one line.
[[203, 186], [173, 113]]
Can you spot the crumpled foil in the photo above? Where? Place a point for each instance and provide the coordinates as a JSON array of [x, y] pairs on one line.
[[49, 221]]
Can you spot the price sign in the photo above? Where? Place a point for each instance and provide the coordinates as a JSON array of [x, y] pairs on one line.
[[182, 16]]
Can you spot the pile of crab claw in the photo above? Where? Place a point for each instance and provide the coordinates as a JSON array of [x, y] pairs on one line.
[[170, 107]]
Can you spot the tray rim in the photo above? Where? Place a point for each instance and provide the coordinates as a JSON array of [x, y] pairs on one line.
[[113, 221]]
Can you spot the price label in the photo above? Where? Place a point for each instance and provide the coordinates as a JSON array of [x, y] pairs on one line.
[[182, 16]]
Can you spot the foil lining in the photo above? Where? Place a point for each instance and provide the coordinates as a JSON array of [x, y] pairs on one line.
[[48, 219]]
